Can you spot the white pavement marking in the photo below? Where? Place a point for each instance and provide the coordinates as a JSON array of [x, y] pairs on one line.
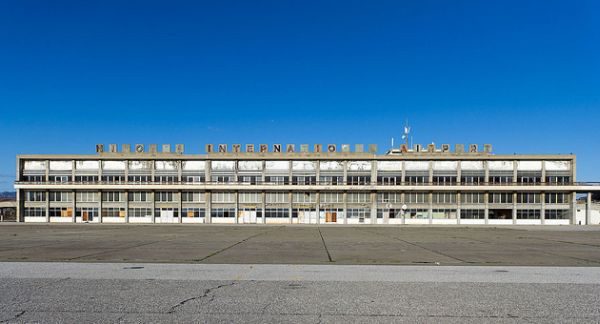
[[276, 272]]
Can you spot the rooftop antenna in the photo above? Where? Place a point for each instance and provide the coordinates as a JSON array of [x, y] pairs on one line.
[[406, 133]]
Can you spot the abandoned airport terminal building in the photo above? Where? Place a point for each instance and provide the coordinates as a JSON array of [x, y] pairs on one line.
[[277, 184]]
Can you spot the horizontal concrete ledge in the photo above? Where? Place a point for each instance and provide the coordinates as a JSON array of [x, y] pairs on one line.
[[268, 272]]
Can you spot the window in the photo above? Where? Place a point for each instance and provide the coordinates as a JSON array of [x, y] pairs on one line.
[[113, 178], [472, 197], [277, 197], [332, 197], [250, 197], [111, 196], [34, 178], [86, 213], [193, 212], [416, 213], [140, 212], [113, 212], [60, 212], [139, 178], [420, 179], [471, 179], [222, 179], [472, 214], [443, 214], [35, 196], [60, 196], [529, 177], [277, 179], [359, 213], [557, 198], [141, 196], [528, 198], [59, 178], [557, 214], [277, 213], [501, 198], [389, 180], [34, 212], [304, 180], [87, 196], [389, 197], [391, 213], [416, 197], [249, 179], [558, 180], [165, 178], [528, 214], [505, 179], [193, 179], [86, 178], [444, 198], [164, 196], [192, 196], [359, 180], [222, 197], [222, 212], [359, 197], [331, 180], [304, 197], [444, 180]]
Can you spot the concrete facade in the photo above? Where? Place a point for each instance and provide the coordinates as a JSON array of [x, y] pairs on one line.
[[299, 188]]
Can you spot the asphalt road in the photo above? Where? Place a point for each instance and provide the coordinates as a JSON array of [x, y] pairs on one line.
[[394, 245], [169, 293]]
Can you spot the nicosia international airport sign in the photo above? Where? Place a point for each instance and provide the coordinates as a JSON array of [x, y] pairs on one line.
[[290, 148]]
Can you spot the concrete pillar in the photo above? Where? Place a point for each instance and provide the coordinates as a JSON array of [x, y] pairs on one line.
[[180, 200], [236, 200], [73, 171], [373, 207], [403, 179], [486, 174], [403, 199], [318, 207], [126, 197], [430, 200], [208, 177], [264, 207], [374, 172], [290, 198], [179, 166], [574, 208], [543, 210], [458, 172], [74, 204], [47, 196], [47, 174], [430, 181], [458, 205], [588, 209], [99, 197], [208, 208], [514, 209], [20, 210], [345, 198], [153, 199], [486, 211]]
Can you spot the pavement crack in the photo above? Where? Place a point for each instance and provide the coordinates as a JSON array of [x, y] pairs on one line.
[[206, 293], [233, 245], [325, 245], [14, 318]]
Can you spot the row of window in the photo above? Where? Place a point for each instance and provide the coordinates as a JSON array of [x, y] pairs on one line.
[[304, 180], [302, 197]]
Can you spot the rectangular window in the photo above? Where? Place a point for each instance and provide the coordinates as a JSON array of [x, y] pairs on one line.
[[193, 179], [557, 198], [443, 214], [473, 180], [139, 178], [389, 197], [416, 197], [35, 196], [331, 180], [140, 212], [59, 178], [249, 179], [444, 180], [140, 196], [193, 212], [332, 197], [558, 180], [277, 197], [86, 178], [164, 196], [304, 197], [222, 197], [472, 214], [416, 213], [165, 178], [472, 198], [277, 213], [414, 180], [277, 180], [528, 214], [34, 212], [304, 180], [444, 198], [223, 212], [359, 180], [501, 179], [60, 196], [389, 180], [113, 212], [192, 196], [359, 213], [501, 198], [111, 196], [113, 178], [557, 214], [359, 197], [250, 197], [528, 198], [87, 196]]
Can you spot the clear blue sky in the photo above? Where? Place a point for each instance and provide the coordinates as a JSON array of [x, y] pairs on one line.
[[522, 75]]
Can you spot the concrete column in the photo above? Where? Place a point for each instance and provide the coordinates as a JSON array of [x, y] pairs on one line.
[[486, 211], [543, 180], [99, 196], [345, 171], [543, 210], [236, 200], [374, 172], [152, 174], [574, 208], [263, 172], [430, 181], [208, 208], [373, 207], [47, 174], [100, 172], [47, 196], [73, 171], [153, 197], [180, 200], [403, 199], [20, 210], [179, 165], [290, 173], [207, 176], [588, 209], [515, 171], [290, 198], [403, 179], [514, 209], [264, 207], [318, 207], [458, 172], [74, 204], [430, 200], [345, 197], [458, 205], [486, 175], [126, 197], [127, 180]]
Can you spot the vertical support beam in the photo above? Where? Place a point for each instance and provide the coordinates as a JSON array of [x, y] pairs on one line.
[[345, 172], [207, 175], [374, 172], [430, 200], [290, 198], [73, 171], [486, 175], [99, 197], [74, 204], [543, 203], [403, 199], [100, 172], [318, 207], [236, 200], [373, 196], [179, 165], [208, 204], [543, 179], [263, 173], [47, 174], [126, 198], [264, 207], [514, 208], [574, 208], [152, 172], [345, 198], [486, 212], [47, 194], [20, 210], [127, 176], [153, 197], [515, 171], [403, 179], [588, 209], [289, 172], [430, 177], [180, 203], [458, 204]]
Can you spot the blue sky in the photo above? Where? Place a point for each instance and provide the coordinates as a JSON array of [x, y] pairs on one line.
[[522, 75]]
